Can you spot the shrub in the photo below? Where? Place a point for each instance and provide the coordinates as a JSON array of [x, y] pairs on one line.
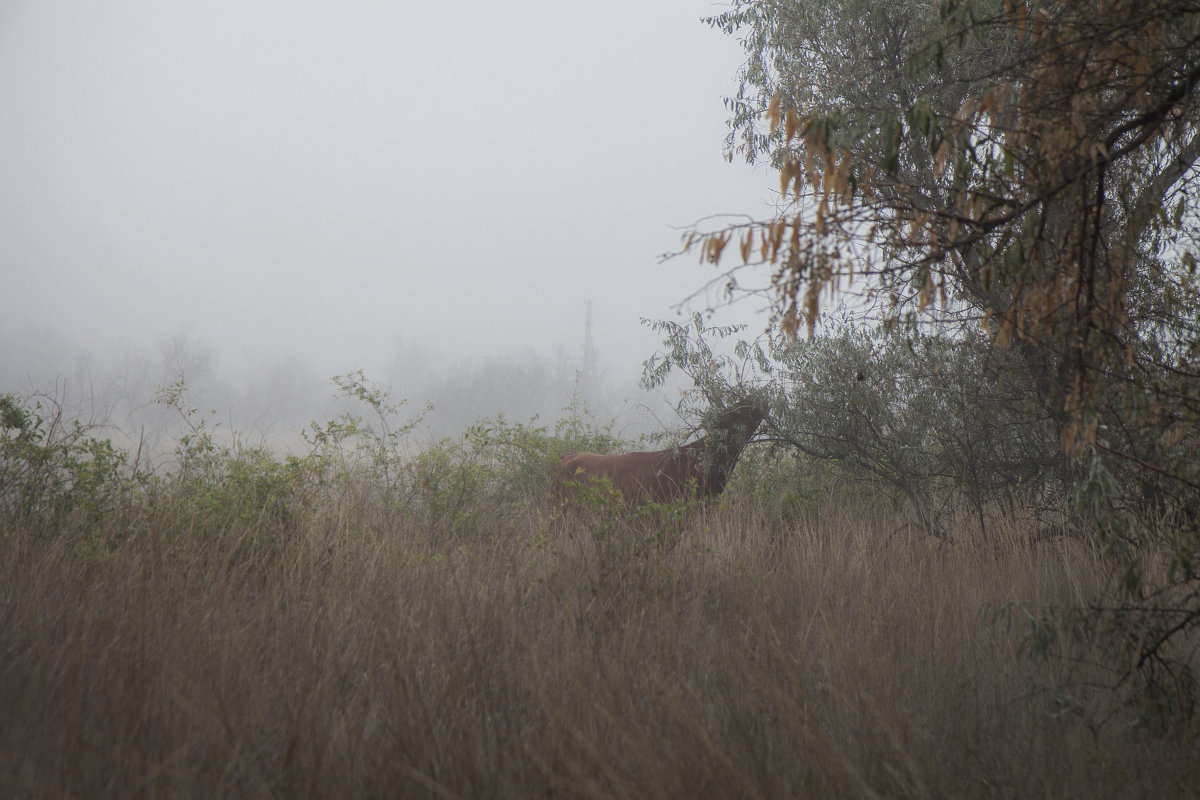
[[53, 469]]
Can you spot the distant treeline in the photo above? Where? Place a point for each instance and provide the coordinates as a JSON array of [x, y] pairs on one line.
[[274, 399]]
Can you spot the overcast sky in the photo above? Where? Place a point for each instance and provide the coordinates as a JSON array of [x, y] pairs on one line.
[[322, 178]]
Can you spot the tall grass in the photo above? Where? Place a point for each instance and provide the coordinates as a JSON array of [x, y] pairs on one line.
[[319, 638]]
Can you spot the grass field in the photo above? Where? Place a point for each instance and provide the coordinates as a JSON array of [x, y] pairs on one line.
[[732, 652]]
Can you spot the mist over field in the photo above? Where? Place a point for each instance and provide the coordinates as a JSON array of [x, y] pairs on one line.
[[274, 401], [281, 192]]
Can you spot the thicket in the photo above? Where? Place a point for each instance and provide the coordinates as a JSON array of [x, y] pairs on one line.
[[950, 434], [1010, 188], [875, 604], [62, 477]]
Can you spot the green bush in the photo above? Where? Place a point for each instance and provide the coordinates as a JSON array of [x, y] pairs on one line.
[[53, 470]]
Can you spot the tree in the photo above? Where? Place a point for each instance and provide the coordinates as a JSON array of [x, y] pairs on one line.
[[1022, 169], [929, 420]]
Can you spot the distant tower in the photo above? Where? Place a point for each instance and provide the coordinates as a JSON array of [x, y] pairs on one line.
[[587, 372]]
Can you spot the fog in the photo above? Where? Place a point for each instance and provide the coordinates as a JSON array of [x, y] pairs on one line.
[[265, 194]]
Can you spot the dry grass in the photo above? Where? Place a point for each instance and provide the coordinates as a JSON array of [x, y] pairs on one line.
[[830, 658]]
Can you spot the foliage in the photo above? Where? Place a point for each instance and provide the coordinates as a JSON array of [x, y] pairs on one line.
[[789, 486], [216, 486], [378, 445], [689, 349], [462, 486], [228, 489], [496, 471], [52, 468], [1024, 170], [702, 353], [222, 508], [933, 419], [1016, 179]]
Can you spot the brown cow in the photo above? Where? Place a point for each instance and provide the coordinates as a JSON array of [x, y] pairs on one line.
[[665, 475]]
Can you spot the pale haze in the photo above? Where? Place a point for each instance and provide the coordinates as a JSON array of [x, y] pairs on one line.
[[324, 182]]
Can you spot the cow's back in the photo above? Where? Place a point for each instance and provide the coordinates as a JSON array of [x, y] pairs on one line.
[[639, 477]]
